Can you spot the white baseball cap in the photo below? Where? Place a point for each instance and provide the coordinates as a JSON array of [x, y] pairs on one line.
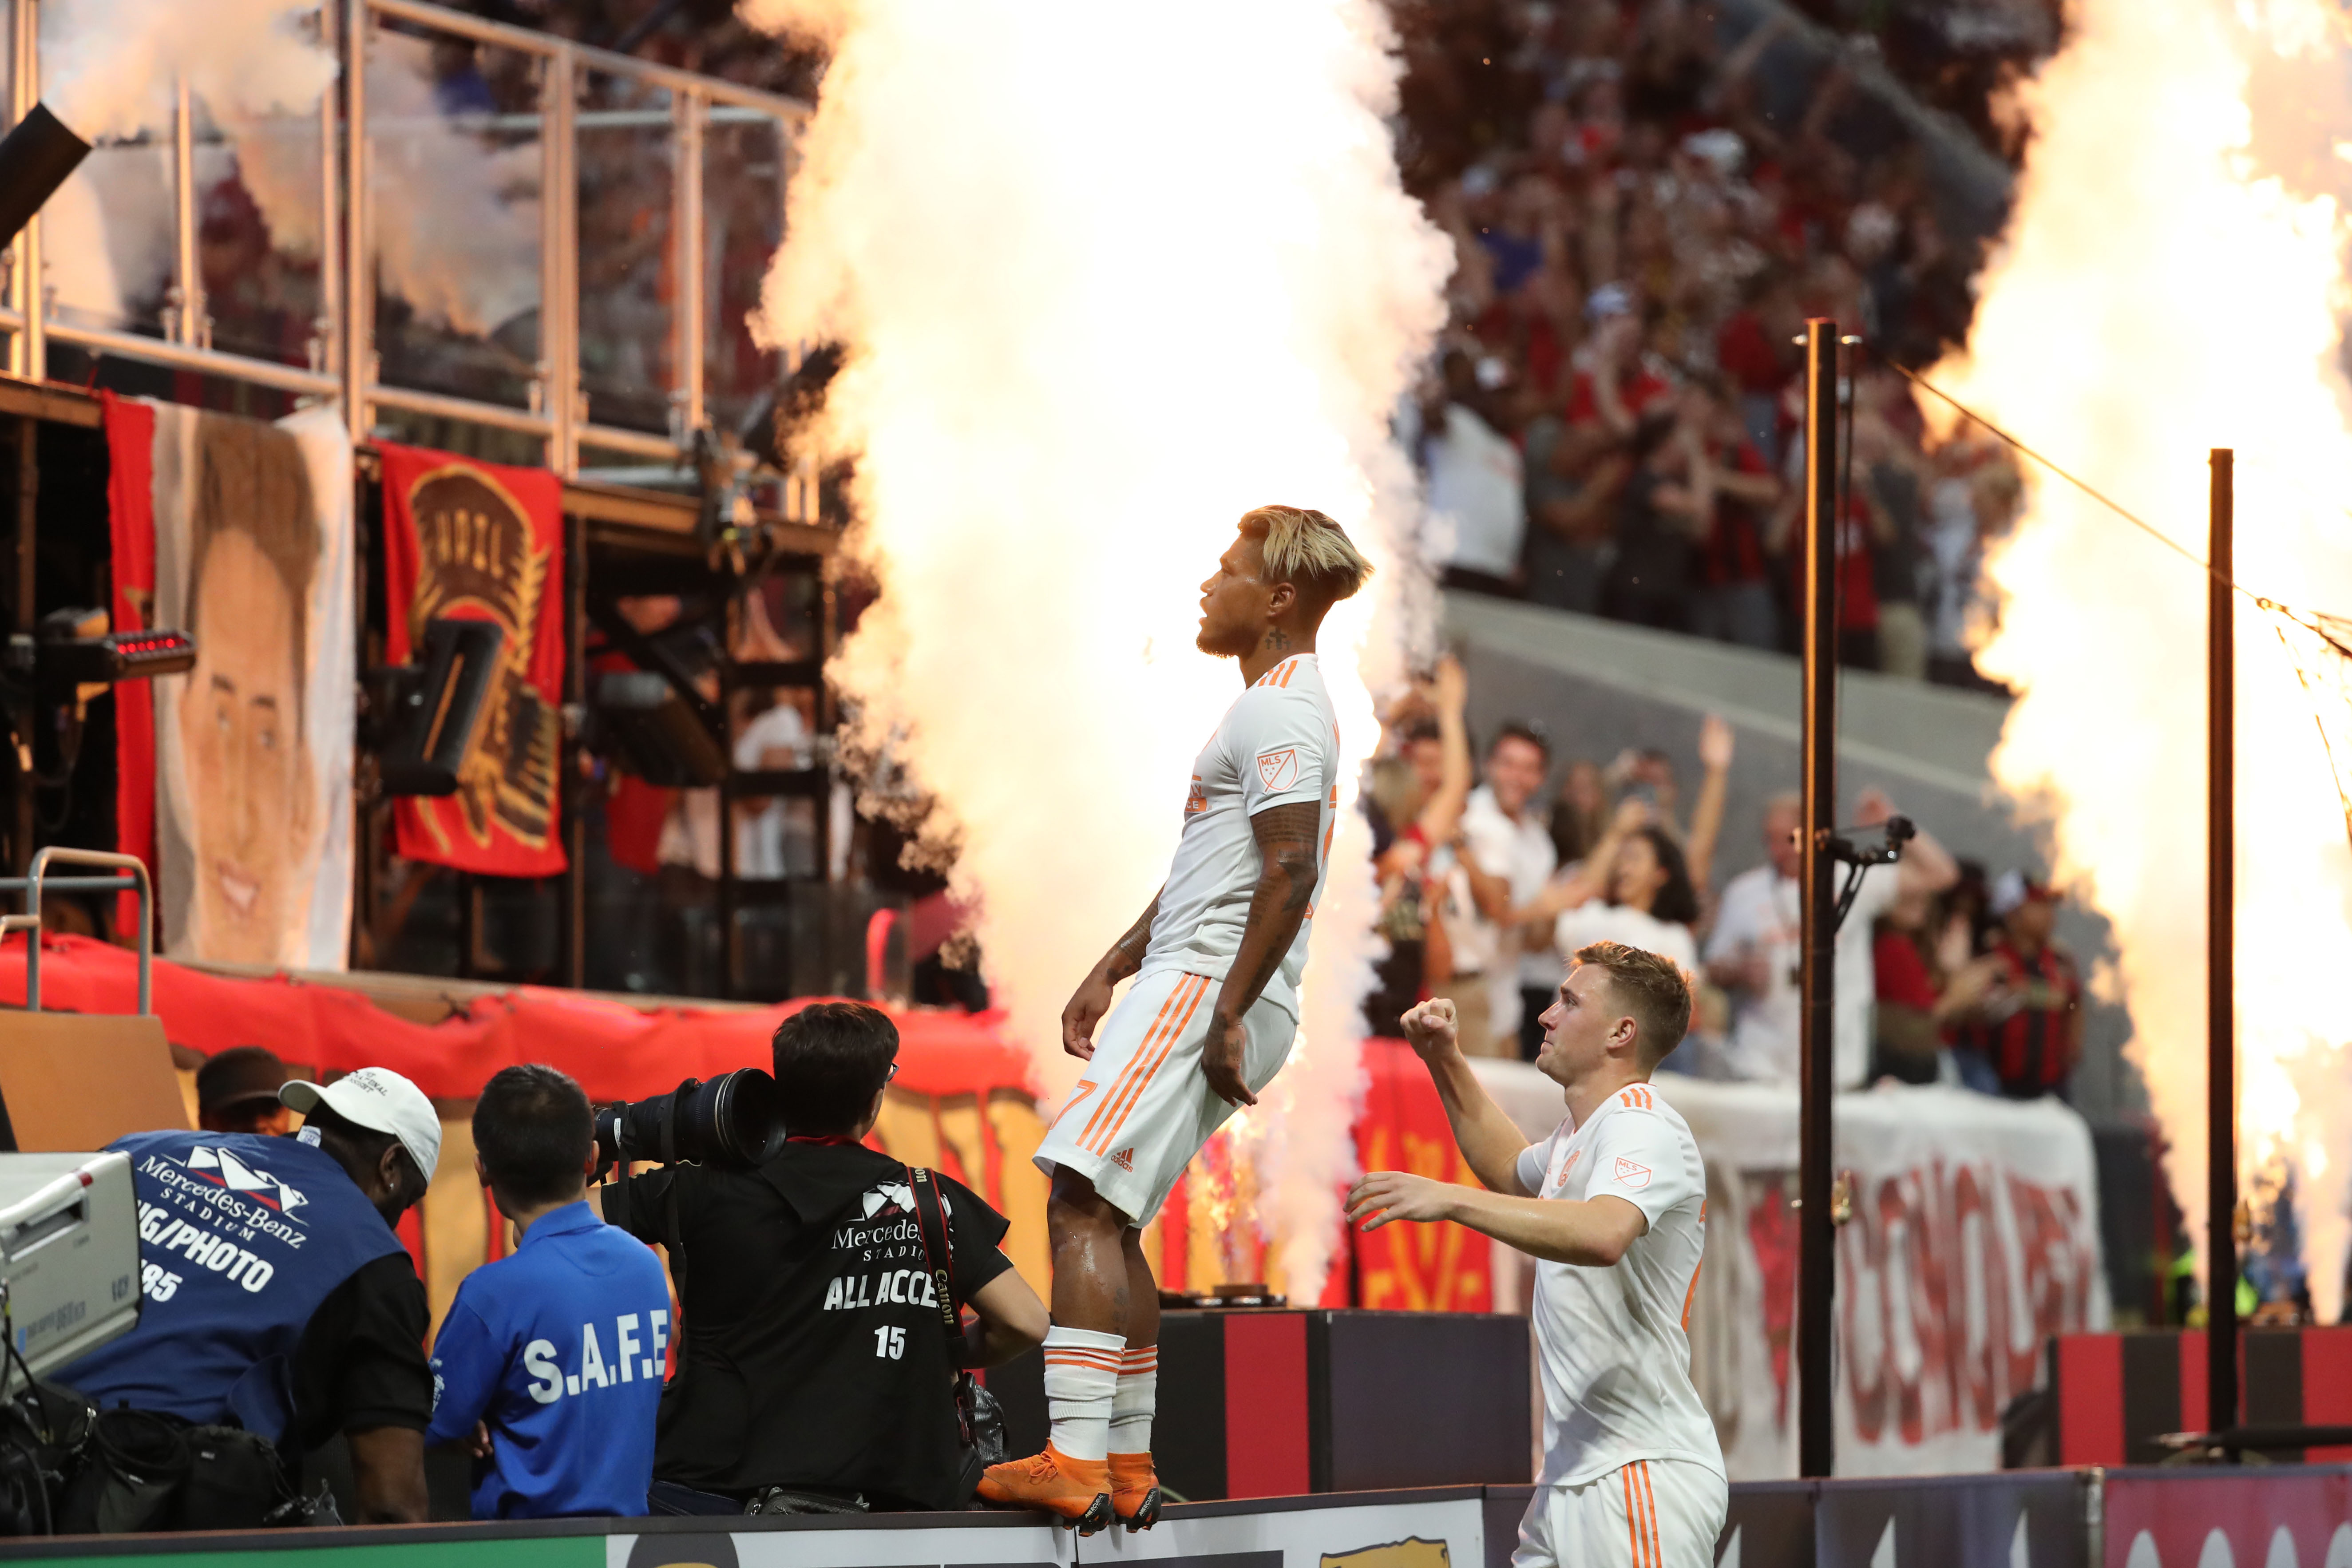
[[380, 1101]]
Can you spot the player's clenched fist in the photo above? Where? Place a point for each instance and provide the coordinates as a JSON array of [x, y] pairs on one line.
[[1429, 1028], [1385, 1196], [1085, 1011]]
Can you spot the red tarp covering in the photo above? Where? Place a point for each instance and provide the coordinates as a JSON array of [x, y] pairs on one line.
[[616, 1051]]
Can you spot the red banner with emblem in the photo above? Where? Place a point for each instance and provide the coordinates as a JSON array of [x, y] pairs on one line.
[[1442, 1268], [470, 540]]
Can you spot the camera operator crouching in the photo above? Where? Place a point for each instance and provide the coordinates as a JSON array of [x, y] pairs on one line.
[[280, 1310], [815, 1369]]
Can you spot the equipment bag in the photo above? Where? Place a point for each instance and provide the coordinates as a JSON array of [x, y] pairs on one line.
[[979, 1420], [130, 1471]]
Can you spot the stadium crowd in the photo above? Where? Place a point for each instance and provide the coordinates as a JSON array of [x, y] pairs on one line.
[[1647, 201], [1492, 875]]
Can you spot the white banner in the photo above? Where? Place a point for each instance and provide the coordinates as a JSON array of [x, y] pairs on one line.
[[1975, 1236], [253, 746]]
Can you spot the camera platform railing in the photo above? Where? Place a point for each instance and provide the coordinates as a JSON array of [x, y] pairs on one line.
[[132, 874]]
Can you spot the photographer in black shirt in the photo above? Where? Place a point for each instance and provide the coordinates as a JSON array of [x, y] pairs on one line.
[[813, 1355]]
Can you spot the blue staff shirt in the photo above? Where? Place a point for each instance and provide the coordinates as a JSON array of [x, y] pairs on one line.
[[560, 1348]]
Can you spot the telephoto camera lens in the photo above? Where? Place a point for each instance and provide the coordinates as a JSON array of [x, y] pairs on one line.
[[734, 1121]]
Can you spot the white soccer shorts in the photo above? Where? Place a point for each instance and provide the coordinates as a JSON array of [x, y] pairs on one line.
[[1143, 1109], [1652, 1513]]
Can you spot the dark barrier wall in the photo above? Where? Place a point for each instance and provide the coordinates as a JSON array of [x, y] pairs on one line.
[[1273, 1404], [2008, 1521]]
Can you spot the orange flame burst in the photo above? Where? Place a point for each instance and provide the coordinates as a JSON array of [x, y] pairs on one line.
[[2172, 281]]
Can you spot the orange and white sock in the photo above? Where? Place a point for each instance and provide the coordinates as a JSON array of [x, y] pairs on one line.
[[1131, 1405], [1082, 1377]]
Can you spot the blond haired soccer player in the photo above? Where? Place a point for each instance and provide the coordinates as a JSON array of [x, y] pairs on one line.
[[1216, 959], [1612, 1205]]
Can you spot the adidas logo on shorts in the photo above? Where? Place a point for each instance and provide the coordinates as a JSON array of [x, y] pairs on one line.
[[1124, 1159]]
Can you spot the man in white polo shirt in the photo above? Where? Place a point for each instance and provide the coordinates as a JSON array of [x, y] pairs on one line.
[[1613, 1207]]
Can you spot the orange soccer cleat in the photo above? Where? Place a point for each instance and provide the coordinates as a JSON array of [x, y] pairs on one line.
[[1077, 1489], [1134, 1494]]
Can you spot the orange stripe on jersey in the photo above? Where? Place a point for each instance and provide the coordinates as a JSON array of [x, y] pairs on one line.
[[1168, 1039], [1650, 1513], [1138, 1081], [1167, 1043], [1691, 1295], [1172, 1013], [1633, 1517], [1165, 1008]]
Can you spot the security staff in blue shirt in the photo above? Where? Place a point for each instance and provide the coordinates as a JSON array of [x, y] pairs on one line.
[[549, 1364]]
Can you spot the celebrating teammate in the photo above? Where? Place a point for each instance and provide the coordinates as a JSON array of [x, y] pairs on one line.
[[1217, 957], [1613, 1207]]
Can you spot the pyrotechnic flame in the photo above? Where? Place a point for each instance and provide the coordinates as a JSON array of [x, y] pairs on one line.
[[1109, 276], [2163, 291]]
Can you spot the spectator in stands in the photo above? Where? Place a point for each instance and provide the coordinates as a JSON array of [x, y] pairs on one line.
[[237, 1091], [1753, 951], [1709, 180], [1731, 598], [1857, 560], [1436, 771], [1644, 898], [1580, 813], [1505, 859], [2023, 1035], [1476, 495], [1926, 978], [1890, 470]]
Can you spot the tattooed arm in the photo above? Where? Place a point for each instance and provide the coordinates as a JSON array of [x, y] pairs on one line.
[[1093, 998], [1286, 838]]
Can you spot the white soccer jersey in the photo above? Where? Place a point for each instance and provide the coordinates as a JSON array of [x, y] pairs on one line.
[[1613, 1341], [1278, 743]]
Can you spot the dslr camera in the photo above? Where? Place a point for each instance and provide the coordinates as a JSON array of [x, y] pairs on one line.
[[734, 1122]]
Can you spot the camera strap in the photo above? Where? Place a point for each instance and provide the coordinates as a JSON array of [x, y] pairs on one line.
[[931, 1222]]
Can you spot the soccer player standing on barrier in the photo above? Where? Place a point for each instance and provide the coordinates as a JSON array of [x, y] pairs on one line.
[[1217, 956], [1613, 1207]]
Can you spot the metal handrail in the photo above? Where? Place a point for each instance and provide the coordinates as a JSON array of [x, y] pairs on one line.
[[506, 36], [31, 883], [350, 373], [187, 356]]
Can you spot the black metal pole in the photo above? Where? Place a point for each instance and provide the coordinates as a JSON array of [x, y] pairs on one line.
[[1816, 1238], [2221, 988]]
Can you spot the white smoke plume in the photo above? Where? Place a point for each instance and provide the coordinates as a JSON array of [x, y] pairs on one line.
[[111, 67], [2162, 290], [457, 217], [1108, 277]]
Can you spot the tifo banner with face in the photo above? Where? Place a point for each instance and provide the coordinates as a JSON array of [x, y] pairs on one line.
[[1974, 1237], [469, 541], [233, 781]]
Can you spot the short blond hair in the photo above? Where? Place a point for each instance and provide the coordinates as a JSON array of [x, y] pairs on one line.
[[1308, 551], [1649, 987]]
